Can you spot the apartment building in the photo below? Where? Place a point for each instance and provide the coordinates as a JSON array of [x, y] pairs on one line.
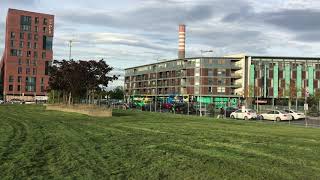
[[209, 79], [281, 77], [225, 80], [27, 55]]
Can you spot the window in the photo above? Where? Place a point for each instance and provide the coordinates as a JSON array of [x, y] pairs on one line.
[[210, 72], [19, 61], [210, 81], [34, 71], [34, 62], [27, 70], [30, 84], [210, 89], [19, 70], [25, 28], [221, 61], [25, 20], [28, 53], [221, 81], [19, 88], [221, 72], [11, 79], [12, 43], [46, 70], [47, 45], [36, 29], [35, 45], [44, 29], [42, 89], [36, 37], [28, 62], [221, 89], [35, 54], [29, 45], [36, 20], [19, 53], [43, 55], [29, 36], [21, 44], [13, 35], [42, 80], [21, 35], [19, 79], [10, 87], [13, 52], [45, 21]]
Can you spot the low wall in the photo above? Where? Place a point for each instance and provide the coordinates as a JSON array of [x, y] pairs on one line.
[[89, 110]]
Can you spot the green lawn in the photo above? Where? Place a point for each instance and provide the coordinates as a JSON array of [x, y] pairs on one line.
[[40, 144]]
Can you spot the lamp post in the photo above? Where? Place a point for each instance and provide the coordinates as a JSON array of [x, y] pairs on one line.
[[200, 83]]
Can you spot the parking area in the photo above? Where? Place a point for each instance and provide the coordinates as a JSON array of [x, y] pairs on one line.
[[310, 122]]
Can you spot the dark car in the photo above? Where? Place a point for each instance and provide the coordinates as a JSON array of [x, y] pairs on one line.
[[230, 110]]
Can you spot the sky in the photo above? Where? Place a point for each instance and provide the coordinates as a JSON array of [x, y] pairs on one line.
[[127, 33]]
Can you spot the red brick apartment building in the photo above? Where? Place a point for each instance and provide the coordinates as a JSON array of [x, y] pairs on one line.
[[27, 55]]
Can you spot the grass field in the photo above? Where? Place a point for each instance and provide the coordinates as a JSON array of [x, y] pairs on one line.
[[40, 144]]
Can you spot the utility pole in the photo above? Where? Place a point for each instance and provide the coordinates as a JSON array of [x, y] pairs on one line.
[[70, 46]]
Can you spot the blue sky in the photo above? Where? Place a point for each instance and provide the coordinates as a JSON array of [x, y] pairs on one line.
[[127, 33]]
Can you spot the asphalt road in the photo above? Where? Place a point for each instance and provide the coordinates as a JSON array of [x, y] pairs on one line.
[[310, 121]]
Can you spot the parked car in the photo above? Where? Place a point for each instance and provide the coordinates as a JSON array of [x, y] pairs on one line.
[[295, 115], [167, 106], [230, 110], [1, 102], [244, 114], [276, 115]]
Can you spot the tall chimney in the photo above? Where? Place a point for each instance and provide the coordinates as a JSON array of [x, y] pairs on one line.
[[182, 41]]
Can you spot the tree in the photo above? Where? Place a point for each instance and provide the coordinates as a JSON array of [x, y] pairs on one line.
[[79, 79], [291, 93], [117, 93]]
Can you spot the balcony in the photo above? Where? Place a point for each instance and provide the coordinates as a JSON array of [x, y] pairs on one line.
[[236, 75], [236, 85], [235, 67]]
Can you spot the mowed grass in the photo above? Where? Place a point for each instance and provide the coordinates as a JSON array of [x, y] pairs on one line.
[[40, 144]]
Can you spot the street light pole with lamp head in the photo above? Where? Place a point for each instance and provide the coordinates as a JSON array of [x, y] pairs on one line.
[[200, 83]]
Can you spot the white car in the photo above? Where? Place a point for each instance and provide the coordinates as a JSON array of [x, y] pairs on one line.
[[295, 115], [1, 102], [276, 115], [244, 114]]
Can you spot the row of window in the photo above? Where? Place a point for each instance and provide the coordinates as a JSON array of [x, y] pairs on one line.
[[30, 80], [34, 71], [36, 28], [46, 41], [15, 52], [28, 62], [27, 20], [27, 88], [219, 89], [21, 44], [21, 36]]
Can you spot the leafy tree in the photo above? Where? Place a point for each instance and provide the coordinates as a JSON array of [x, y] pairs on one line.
[[117, 93], [79, 79]]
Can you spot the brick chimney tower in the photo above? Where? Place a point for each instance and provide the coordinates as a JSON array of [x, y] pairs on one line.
[[182, 41]]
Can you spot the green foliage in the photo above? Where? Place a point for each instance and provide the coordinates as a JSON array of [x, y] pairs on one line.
[[80, 79], [117, 93], [39, 144]]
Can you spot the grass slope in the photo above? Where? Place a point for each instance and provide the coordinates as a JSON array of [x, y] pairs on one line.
[[40, 144]]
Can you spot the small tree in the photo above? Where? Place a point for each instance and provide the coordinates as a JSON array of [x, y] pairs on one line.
[[117, 93]]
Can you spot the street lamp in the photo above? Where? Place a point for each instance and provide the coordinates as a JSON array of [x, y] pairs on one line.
[[200, 83]]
